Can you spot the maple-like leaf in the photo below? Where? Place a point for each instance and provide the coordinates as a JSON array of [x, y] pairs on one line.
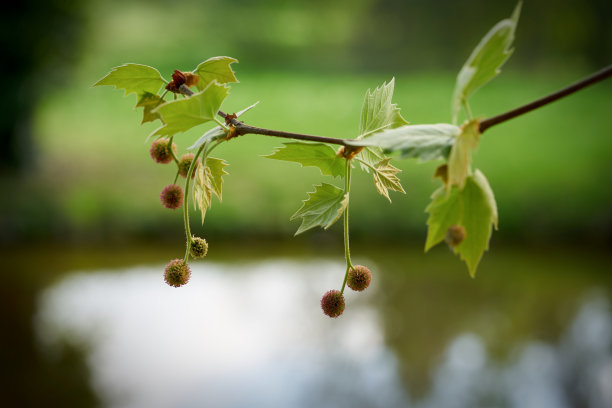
[[486, 60], [208, 181], [385, 178], [378, 112], [215, 69], [472, 208], [134, 78], [322, 208], [317, 155], [183, 114]]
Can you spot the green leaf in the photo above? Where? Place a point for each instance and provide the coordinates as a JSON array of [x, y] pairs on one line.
[[425, 142], [378, 112], [486, 60], [322, 208], [461, 154], [216, 172], [134, 78], [311, 154], [444, 210], [149, 101], [208, 181], [215, 69], [217, 131], [183, 114], [474, 208], [202, 192], [369, 156], [385, 178]]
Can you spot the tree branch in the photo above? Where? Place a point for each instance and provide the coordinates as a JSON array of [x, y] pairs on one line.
[[521, 110], [243, 129]]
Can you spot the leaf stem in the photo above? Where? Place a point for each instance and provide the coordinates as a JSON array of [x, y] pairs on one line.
[[347, 250], [176, 160], [218, 122], [366, 164], [521, 110], [186, 202], [466, 106]]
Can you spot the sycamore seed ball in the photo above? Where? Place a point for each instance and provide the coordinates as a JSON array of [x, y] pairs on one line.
[[184, 164], [160, 152], [198, 247], [359, 278], [172, 196], [333, 303], [177, 273]]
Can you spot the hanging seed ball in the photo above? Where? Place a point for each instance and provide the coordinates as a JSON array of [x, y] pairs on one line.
[[184, 164], [332, 303], [359, 278], [455, 234], [172, 196], [160, 152], [198, 247], [177, 273]]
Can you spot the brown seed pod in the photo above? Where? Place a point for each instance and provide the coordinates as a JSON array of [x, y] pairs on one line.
[[359, 278], [455, 234], [333, 303]]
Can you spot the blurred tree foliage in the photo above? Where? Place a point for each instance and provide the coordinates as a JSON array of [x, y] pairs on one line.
[[399, 35]]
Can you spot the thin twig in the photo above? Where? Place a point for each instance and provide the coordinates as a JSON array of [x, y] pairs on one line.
[[521, 110], [243, 129]]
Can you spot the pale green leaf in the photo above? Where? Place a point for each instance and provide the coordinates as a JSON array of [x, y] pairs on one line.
[[134, 78], [208, 181], [202, 191], [378, 112], [148, 102], [486, 60], [385, 178], [483, 184], [444, 210], [425, 142], [369, 156], [216, 172], [183, 114], [217, 131], [473, 208], [323, 207], [215, 69], [461, 154], [312, 154], [478, 215]]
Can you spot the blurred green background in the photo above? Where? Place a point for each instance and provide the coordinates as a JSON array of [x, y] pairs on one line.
[[76, 165]]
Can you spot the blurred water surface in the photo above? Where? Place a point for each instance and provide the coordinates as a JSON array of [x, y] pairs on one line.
[[247, 331]]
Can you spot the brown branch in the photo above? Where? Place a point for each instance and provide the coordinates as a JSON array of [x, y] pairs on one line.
[[521, 110], [243, 129]]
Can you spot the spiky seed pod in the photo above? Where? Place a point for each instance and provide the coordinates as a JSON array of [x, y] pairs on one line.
[[172, 196], [359, 278], [455, 234], [177, 273], [159, 151], [333, 303], [184, 164], [198, 247]]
